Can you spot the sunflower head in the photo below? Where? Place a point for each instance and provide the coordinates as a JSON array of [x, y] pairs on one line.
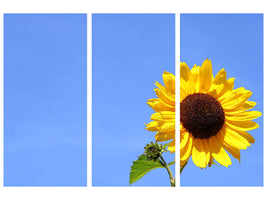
[[213, 116]]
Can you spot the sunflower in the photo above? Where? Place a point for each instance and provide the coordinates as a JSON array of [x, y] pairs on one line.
[[164, 119], [213, 116]]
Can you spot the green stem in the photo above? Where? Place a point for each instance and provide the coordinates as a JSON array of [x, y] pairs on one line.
[[172, 179], [181, 168]]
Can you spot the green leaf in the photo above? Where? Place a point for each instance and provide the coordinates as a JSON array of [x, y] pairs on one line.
[[142, 166], [171, 163]]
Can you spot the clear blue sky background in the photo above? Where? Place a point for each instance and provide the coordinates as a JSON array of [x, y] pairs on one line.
[[130, 52], [233, 42], [45, 99]]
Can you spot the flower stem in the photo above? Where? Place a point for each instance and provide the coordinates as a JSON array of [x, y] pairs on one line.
[[172, 179], [182, 167]]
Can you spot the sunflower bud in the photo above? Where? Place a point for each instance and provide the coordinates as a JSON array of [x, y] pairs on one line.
[[153, 151]]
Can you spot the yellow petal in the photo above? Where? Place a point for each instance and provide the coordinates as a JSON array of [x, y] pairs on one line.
[[246, 115], [152, 126], [158, 105], [218, 152], [228, 86], [247, 136], [220, 78], [215, 90], [161, 94], [186, 152], [163, 116], [169, 82], [195, 84], [185, 72], [241, 125], [167, 126], [231, 95], [165, 136], [207, 151], [247, 105], [232, 138], [232, 150], [184, 139], [205, 75], [187, 87], [217, 84], [235, 100], [171, 146], [198, 153], [166, 93]]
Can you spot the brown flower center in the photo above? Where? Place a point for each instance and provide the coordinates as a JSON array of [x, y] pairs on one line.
[[202, 115]]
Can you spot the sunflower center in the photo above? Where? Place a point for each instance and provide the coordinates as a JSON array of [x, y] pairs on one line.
[[202, 115]]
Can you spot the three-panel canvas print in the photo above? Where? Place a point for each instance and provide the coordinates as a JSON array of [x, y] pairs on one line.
[[143, 95]]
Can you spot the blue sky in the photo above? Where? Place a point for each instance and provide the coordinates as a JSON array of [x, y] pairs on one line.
[[233, 42], [45, 58], [130, 52]]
